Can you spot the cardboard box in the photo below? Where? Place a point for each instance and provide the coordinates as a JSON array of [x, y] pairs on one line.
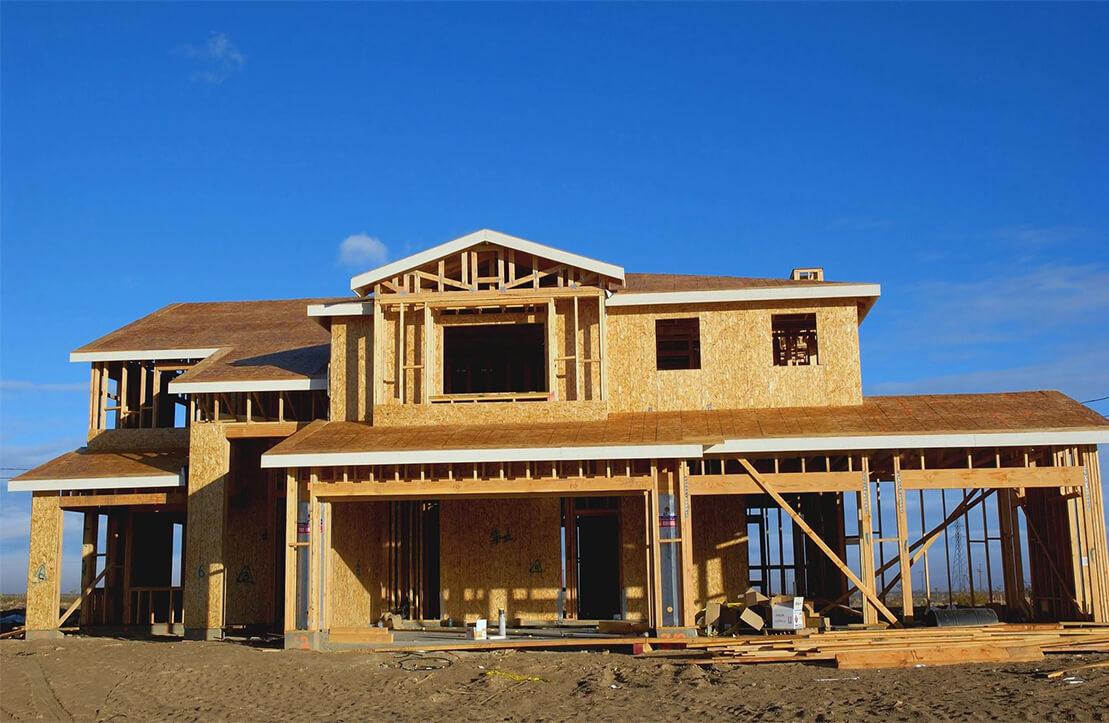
[[753, 597], [787, 615], [479, 631]]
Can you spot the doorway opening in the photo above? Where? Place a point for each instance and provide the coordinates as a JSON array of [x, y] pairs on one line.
[[593, 557]]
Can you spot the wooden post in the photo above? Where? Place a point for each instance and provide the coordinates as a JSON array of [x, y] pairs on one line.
[[903, 542], [868, 592], [656, 551], [602, 333], [866, 542], [685, 530], [402, 343], [204, 575], [428, 332], [552, 352], [89, 539], [577, 354], [290, 550], [44, 566], [377, 376], [314, 544]]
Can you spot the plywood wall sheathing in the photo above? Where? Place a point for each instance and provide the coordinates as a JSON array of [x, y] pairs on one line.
[[633, 557], [500, 554], [737, 367], [250, 547], [350, 374], [719, 548], [205, 574], [359, 577], [44, 563]]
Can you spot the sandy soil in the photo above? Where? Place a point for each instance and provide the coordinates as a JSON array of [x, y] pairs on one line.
[[111, 679]]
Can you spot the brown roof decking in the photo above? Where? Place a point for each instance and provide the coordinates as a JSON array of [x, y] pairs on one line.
[[662, 283], [85, 464], [256, 339], [926, 414]]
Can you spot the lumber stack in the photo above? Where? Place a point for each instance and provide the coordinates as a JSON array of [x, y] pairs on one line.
[[887, 648]]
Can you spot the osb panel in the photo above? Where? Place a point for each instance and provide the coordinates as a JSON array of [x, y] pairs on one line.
[[737, 366], [719, 548], [488, 413], [203, 572], [112, 440], [633, 557], [249, 540], [500, 554], [359, 566], [351, 357], [586, 343], [44, 563]]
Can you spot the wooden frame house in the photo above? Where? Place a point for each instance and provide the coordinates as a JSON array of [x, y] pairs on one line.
[[494, 424]]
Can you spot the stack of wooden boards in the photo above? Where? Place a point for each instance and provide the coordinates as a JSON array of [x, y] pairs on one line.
[[888, 648]]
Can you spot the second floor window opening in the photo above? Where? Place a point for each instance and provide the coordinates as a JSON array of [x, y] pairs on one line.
[[494, 358], [678, 343], [794, 340]]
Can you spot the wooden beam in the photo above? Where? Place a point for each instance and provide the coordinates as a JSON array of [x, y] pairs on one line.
[[76, 502], [552, 352], [685, 530], [800, 522], [991, 477], [785, 482], [427, 370], [476, 488], [260, 430], [866, 545], [378, 338], [602, 333]]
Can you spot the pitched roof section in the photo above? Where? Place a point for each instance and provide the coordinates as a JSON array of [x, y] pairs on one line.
[[363, 283], [649, 289], [878, 423], [261, 342], [83, 469]]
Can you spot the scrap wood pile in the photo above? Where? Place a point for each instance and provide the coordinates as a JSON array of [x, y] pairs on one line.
[[890, 648]]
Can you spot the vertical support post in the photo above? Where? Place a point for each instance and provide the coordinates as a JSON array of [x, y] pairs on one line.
[[428, 366], [377, 376], [44, 567], [903, 542], [90, 536], [401, 378], [575, 350], [314, 542], [602, 333], [866, 543], [685, 514], [204, 579], [552, 352], [290, 551], [653, 524]]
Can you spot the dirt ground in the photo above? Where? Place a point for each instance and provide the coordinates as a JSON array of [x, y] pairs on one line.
[[104, 679]]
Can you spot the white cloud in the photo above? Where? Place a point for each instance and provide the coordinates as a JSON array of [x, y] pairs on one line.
[[1033, 236], [218, 59], [362, 250]]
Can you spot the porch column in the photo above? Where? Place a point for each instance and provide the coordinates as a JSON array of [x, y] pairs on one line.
[[44, 566], [204, 574]]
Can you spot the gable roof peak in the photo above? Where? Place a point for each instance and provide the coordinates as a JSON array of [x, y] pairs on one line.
[[364, 282]]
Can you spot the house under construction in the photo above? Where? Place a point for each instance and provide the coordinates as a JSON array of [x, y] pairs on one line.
[[495, 424]]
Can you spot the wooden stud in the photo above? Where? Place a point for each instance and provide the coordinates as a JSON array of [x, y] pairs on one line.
[[903, 542]]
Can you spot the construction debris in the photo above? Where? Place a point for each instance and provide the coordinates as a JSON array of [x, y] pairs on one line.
[[861, 648]]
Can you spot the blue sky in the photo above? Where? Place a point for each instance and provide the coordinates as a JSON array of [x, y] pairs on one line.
[[955, 153]]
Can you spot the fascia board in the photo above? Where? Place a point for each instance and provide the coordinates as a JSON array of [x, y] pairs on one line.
[[446, 456], [775, 293], [97, 483], [253, 385], [909, 441], [140, 355]]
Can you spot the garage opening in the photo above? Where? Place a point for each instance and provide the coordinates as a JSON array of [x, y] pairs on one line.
[[494, 358]]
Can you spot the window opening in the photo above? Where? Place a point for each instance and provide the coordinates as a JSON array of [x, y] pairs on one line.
[[492, 358], [794, 337], [678, 343]]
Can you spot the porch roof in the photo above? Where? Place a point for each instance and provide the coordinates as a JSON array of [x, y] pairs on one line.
[[84, 469], [895, 422]]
